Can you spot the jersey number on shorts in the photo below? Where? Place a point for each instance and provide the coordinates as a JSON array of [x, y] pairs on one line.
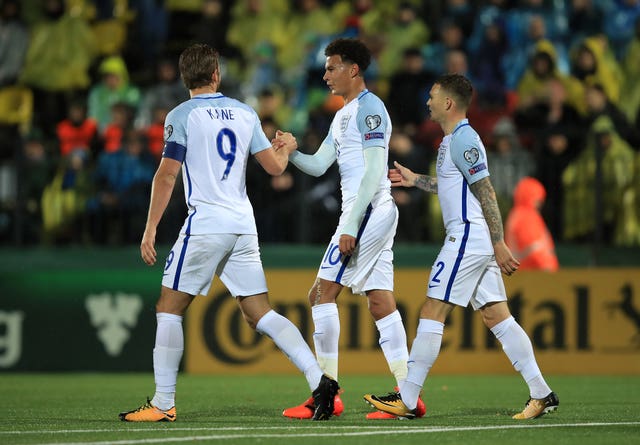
[[331, 259], [229, 156], [435, 279]]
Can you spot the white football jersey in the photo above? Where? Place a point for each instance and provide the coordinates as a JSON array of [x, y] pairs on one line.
[[213, 135], [462, 160], [363, 122]]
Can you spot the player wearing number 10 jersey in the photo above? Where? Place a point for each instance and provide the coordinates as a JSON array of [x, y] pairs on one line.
[[360, 253], [210, 138]]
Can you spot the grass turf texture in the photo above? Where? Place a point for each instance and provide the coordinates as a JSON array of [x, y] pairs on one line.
[[83, 409]]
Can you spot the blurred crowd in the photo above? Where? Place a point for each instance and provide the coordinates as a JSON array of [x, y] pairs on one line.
[[85, 87]]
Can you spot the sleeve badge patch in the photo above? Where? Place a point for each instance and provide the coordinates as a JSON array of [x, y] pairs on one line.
[[373, 121], [471, 156], [168, 131], [477, 168]]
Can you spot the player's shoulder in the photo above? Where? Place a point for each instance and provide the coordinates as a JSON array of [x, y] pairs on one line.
[[179, 110], [370, 105], [368, 98], [464, 134]]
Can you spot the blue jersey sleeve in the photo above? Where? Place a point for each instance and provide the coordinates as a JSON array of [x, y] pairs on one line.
[[175, 135], [372, 121], [469, 155]]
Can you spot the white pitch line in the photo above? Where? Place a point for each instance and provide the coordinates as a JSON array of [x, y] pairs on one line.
[[166, 428], [378, 431]]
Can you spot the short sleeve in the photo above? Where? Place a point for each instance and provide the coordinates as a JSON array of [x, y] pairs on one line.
[[259, 140], [469, 155], [372, 123], [175, 135]]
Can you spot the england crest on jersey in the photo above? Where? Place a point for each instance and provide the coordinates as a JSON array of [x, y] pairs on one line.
[[442, 151], [344, 122]]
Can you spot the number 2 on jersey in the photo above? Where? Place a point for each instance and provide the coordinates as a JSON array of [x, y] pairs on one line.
[[229, 156]]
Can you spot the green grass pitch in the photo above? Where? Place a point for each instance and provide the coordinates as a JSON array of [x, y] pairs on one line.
[[83, 409]]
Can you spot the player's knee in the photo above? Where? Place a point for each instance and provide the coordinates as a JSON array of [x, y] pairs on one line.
[[251, 318], [166, 307], [494, 313], [315, 293], [324, 292], [381, 307], [252, 322]]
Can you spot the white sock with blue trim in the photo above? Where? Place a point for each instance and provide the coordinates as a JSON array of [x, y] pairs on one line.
[[393, 341], [326, 336], [288, 338], [517, 345], [424, 352], [166, 359]]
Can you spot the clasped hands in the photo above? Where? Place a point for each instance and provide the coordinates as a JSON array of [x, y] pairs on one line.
[[284, 140]]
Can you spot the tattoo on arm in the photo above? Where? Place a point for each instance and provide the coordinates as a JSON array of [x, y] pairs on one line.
[[427, 183], [483, 191]]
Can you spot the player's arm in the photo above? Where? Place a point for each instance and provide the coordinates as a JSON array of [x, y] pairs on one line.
[[484, 192], [401, 176], [317, 163], [468, 154], [161, 188], [374, 168], [274, 159]]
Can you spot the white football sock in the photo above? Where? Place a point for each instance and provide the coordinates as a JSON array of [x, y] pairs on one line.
[[393, 341], [288, 338], [166, 358], [517, 345], [326, 337], [424, 352]]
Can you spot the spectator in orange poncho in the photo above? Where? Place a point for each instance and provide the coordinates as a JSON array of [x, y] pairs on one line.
[[526, 234]]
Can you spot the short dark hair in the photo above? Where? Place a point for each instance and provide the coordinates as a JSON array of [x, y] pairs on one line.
[[197, 63], [458, 86], [352, 50]]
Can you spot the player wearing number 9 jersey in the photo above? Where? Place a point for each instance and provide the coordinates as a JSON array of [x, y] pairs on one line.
[[210, 138], [225, 132]]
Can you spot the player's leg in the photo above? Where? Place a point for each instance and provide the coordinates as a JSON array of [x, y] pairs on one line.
[[425, 348], [370, 272], [374, 242], [451, 283], [258, 313], [326, 320], [260, 316], [244, 276], [169, 346], [188, 270], [393, 342], [424, 352], [167, 353], [393, 336], [518, 348]]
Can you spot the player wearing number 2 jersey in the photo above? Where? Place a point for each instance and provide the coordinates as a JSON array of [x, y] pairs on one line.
[[359, 255], [467, 270], [210, 138]]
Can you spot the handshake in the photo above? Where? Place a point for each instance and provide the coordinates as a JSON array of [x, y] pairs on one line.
[[284, 141]]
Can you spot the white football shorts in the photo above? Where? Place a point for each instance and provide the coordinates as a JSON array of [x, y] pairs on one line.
[[371, 265], [195, 259], [467, 278]]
